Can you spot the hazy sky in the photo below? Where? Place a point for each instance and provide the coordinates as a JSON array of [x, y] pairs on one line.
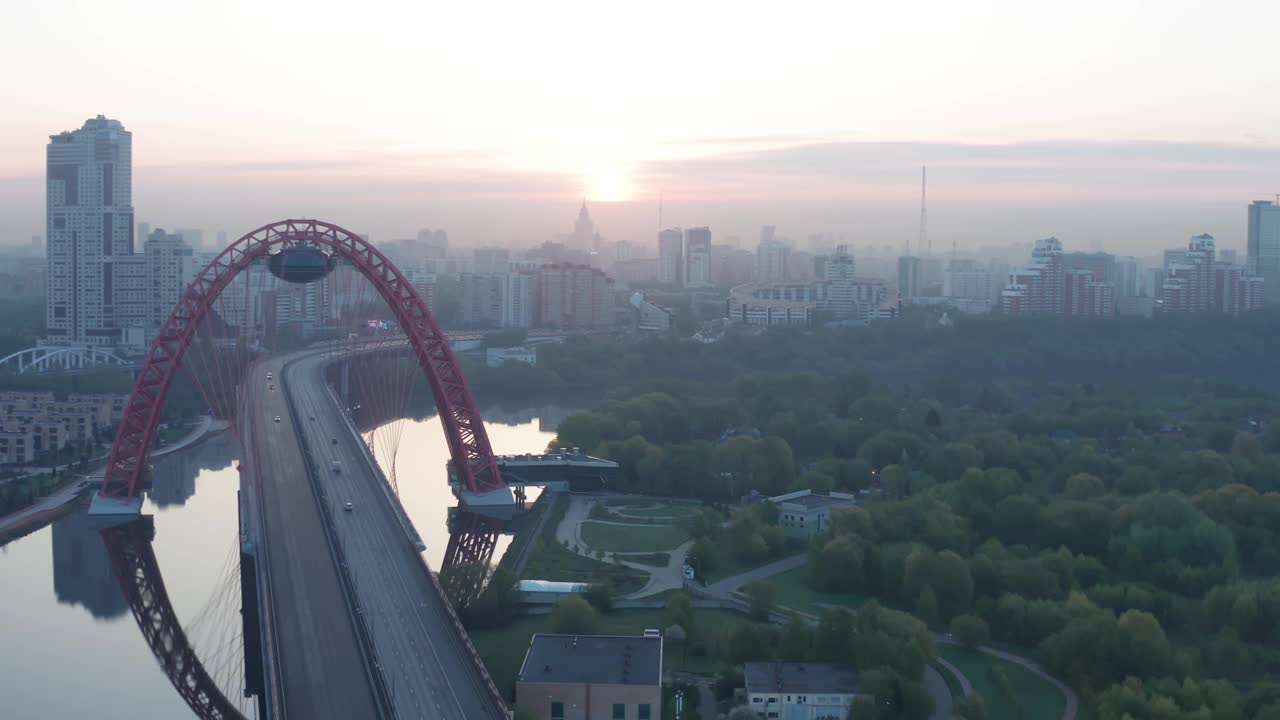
[[1125, 122]]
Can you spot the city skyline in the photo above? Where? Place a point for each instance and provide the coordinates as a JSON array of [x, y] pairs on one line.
[[780, 122]]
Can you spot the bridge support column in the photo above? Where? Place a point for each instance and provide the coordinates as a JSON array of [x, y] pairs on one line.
[[102, 505]]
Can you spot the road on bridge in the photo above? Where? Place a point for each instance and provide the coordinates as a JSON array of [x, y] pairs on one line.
[[425, 658], [321, 674]]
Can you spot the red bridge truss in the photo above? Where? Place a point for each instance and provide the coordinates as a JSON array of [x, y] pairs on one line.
[[464, 430]]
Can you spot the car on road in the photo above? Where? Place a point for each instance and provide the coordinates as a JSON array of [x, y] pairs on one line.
[[272, 386], [337, 466], [349, 507], [277, 418], [333, 441], [268, 376]]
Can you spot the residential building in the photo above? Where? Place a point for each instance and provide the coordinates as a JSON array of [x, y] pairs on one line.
[[671, 256], [571, 296], [592, 677], [804, 514], [89, 224], [1039, 288], [970, 286], [773, 258], [800, 690], [490, 260], [1264, 246], [1194, 282], [193, 237], [497, 299], [697, 257], [731, 267], [798, 303], [1128, 277], [17, 446], [838, 272]]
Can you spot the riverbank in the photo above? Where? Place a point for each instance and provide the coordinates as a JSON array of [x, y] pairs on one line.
[[45, 510]]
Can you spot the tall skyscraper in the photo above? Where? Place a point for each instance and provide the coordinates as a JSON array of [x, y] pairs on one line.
[[1264, 246], [773, 258], [697, 257], [909, 278], [89, 224], [584, 231], [671, 256]]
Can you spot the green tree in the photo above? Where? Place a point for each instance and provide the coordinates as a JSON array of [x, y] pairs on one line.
[[573, 615], [927, 607], [762, 596], [600, 595], [970, 630]]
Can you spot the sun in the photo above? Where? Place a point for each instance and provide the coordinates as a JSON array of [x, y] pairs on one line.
[[608, 184]]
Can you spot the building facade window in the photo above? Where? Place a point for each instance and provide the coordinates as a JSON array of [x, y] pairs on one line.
[[644, 712], [619, 711], [557, 711]]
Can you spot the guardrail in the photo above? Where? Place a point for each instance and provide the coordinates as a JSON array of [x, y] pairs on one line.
[[367, 651], [276, 709], [411, 534]]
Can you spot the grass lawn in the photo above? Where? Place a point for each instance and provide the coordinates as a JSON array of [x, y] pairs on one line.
[[548, 560], [654, 559], [1037, 698], [673, 511], [503, 649], [795, 592], [631, 538]]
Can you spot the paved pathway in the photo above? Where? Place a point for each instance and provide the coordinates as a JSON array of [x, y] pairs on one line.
[[777, 567], [661, 579], [940, 692], [1072, 707]]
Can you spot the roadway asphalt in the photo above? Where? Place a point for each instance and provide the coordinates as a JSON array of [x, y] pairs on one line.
[[425, 661], [322, 674]]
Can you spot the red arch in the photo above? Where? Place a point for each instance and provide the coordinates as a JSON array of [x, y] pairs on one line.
[[464, 430]]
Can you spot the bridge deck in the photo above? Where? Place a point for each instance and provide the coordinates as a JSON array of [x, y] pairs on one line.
[[321, 671], [425, 658]]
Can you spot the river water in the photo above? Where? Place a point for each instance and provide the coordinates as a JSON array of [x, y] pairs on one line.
[[69, 647]]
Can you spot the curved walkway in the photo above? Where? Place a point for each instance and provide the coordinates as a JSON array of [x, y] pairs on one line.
[[1073, 702], [661, 579]]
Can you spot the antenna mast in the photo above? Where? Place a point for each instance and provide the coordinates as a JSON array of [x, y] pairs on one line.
[[928, 248]]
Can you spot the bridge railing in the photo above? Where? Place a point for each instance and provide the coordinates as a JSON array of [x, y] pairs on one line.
[[266, 594], [373, 667], [412, 535]]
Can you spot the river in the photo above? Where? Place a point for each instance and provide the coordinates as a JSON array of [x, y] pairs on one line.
[[69, 647]]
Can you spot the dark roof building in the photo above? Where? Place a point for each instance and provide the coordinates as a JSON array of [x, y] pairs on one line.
[[571, 677], [805, 691]]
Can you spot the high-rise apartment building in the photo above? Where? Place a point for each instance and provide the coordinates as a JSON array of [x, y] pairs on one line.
[[697, 257], [910, 278], [194, 237], [1264, 246], [497, 299], [671, 256], [773, 258], [1195, 282], [970, 286], [89, 225], [571, 296], [489, 260], [1128, 277]]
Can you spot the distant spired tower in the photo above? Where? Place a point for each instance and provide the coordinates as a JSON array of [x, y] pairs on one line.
[[584, 232]]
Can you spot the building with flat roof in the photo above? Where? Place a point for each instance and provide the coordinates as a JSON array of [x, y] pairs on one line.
[[585, 677], [800, 690], [548, 592], [804, 514]]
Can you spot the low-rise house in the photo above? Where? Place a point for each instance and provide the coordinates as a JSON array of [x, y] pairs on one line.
[[804, 514], [800, 690], [592, 677]]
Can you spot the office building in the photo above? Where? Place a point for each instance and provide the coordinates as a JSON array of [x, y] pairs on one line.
[[585, 677], [584, 231], [1264, 246], [970, 286], [89, 225], [799, 690], [671, 256], [799, 303], [697, 257], [648, 316]]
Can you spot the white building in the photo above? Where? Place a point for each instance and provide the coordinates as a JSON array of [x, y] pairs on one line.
[[89, 225], [697, 257], [671, 256], [650, 317], [971, 287], [799, 690], [490, 260], [804, 514], [838, 271], [149, 285], [773, 259], [496, 357]]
